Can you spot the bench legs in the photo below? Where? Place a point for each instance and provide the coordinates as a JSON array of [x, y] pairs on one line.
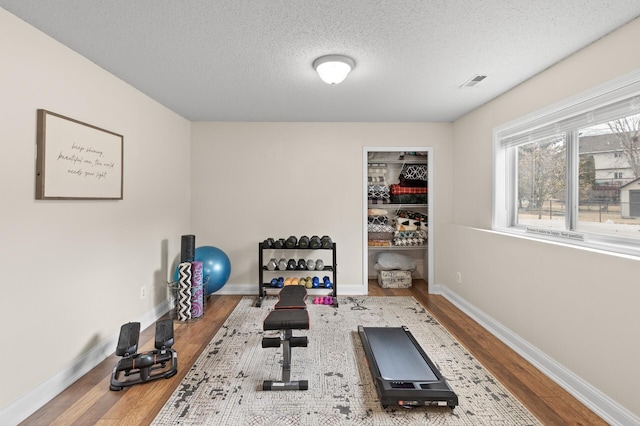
[[288, 342]]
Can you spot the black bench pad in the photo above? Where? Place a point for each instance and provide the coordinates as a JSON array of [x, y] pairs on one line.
[[287, 319], [292, 297]]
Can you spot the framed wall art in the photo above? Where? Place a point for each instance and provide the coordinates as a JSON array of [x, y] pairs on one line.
[[77, 161]]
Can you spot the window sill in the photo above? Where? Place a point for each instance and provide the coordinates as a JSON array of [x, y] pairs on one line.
[[600, 247]]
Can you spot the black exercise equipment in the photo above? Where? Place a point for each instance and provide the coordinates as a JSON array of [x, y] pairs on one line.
[[290, 313], [315, 242], [303, 242], [326, 242], [135, 368], [403, 373], [291, 242]]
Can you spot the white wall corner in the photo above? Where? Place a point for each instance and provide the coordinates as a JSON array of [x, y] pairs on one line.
[[605, 407]]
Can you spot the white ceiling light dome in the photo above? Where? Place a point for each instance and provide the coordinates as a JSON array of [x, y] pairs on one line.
[[333, 69]]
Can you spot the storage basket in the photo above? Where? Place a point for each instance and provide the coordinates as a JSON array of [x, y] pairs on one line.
[[394, 279]]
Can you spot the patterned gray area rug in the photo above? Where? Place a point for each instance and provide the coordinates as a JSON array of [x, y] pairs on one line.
[[224, 387]]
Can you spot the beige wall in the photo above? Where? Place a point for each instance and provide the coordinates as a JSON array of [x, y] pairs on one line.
[[72, 270], [251, 181], [579, 307]]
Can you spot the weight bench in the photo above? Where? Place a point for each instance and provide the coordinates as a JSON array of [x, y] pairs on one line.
[[290, 313], [135, 368]]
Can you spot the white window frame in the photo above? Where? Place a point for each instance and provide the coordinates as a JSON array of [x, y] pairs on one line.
[[504, 166]]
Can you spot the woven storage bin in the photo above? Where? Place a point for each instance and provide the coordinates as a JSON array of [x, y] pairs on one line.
[[394, 279]]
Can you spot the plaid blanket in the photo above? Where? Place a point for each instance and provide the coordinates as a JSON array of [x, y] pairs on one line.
[[396, 189]]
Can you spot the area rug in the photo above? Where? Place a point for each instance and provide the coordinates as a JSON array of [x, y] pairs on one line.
[[224, 387]]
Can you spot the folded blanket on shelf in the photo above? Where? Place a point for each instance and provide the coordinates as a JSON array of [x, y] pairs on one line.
[[377, 212], [380, 236], [380, 228], [379, 243], [408, 199], [411, 182], [410, 238], [413, 215], [409, 242], [409, 224], [411, 234], [396, 189], [378, 220], [377, 191], [377, 173], [414, 172], [379, 201]]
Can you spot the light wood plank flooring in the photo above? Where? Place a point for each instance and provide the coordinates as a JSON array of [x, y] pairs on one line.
[[89, 401]]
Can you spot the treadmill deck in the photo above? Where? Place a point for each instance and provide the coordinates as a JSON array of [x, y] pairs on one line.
[[403, 373]]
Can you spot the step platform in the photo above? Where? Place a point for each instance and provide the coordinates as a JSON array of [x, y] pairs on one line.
[[135, 368]]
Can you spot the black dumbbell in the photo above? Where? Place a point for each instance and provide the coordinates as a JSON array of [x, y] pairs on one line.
[[326, 242], [291, 242], [303, 242], [268, 243], [314, 242]]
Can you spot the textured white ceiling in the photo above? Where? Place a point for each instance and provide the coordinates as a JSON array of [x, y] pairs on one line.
[[250, 60]]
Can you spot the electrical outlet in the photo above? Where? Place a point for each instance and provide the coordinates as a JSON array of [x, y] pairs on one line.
[[458, 277], [143, 292]]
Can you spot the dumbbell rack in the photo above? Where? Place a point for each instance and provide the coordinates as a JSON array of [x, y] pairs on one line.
[[264, 287]]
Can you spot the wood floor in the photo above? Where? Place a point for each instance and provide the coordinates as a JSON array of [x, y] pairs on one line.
[[89, 401]]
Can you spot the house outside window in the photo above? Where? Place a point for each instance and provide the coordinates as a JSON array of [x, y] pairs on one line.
[[558, 173]]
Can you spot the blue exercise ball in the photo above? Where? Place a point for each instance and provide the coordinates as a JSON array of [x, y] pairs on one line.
[[216, 268]]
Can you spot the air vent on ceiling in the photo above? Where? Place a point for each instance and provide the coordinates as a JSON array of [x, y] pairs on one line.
[[474, 80]]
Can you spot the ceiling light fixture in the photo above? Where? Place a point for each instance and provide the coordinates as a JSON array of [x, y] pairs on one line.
[[333, 69]]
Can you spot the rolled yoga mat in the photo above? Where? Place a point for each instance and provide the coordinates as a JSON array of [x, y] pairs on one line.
[[188, 248], [184, 291], [197, 290]]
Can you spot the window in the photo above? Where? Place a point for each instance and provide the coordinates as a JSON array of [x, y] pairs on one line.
[[564, 173]]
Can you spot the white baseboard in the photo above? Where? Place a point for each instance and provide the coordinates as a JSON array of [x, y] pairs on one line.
[[35, 398], [605, 407]]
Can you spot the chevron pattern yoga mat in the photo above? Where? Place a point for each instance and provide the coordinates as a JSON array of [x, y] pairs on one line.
[[184, 291]]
